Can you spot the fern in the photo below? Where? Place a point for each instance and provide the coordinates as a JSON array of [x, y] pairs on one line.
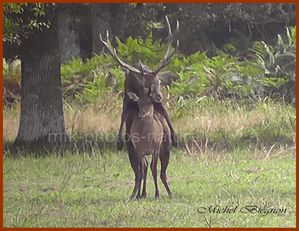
[[279, 65]]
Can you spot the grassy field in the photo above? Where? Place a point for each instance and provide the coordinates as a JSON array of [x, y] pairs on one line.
[[245, 156], [93, 191]]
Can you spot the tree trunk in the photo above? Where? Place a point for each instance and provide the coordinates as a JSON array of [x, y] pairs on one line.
[[117, 21], [100, 23], [41, 119], [68, 37]]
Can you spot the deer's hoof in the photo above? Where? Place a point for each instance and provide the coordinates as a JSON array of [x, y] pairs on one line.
[[133, 198], [119, 145], [174, 140], [143, 196]]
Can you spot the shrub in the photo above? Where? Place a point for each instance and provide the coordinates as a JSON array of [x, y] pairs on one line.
[[269, 73], [148, 51], [221, 76], [279, 66]]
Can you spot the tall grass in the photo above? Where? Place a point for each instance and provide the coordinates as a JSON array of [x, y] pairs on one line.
[[204, 122]]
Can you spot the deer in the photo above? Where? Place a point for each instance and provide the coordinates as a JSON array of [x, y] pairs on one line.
[[139, 78], [146, 135]]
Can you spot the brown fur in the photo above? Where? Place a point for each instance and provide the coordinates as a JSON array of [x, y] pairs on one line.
[[146, 136], [139, 85]]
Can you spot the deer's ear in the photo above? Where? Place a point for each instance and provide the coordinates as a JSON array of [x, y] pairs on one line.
[[132, 96]]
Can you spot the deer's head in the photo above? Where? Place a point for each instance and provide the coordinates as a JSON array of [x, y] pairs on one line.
[[145, 105], [146, 78]]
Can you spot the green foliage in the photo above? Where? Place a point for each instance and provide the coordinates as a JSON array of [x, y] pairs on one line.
[[86, 81], [279, 65], [93, 90], [12, 70], [273, 82], [225, 76], [271, 73], [147, 50], [11, 26], [292, 35], [229, 48], [258, 47], [118, 75], [187, 106], [21, 19], [76, 66], [220, 76]]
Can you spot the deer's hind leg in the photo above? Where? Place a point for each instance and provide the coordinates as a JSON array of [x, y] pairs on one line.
[[133, 156], [161, 110], [143, 195], [164, 158], [138, 178], [164, 154], [155, 173]]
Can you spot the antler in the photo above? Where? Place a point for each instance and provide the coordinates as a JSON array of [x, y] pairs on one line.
[[170, 51], [112, 51]]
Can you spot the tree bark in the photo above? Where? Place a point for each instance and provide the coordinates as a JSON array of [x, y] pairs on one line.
[[100, 23], [42, 118], [68, 37], [117, 19]]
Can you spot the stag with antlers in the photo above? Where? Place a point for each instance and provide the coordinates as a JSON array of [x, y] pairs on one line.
[[139, 80]]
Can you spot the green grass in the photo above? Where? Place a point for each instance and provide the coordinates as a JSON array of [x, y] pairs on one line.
[[93, 191], [241, 153]]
